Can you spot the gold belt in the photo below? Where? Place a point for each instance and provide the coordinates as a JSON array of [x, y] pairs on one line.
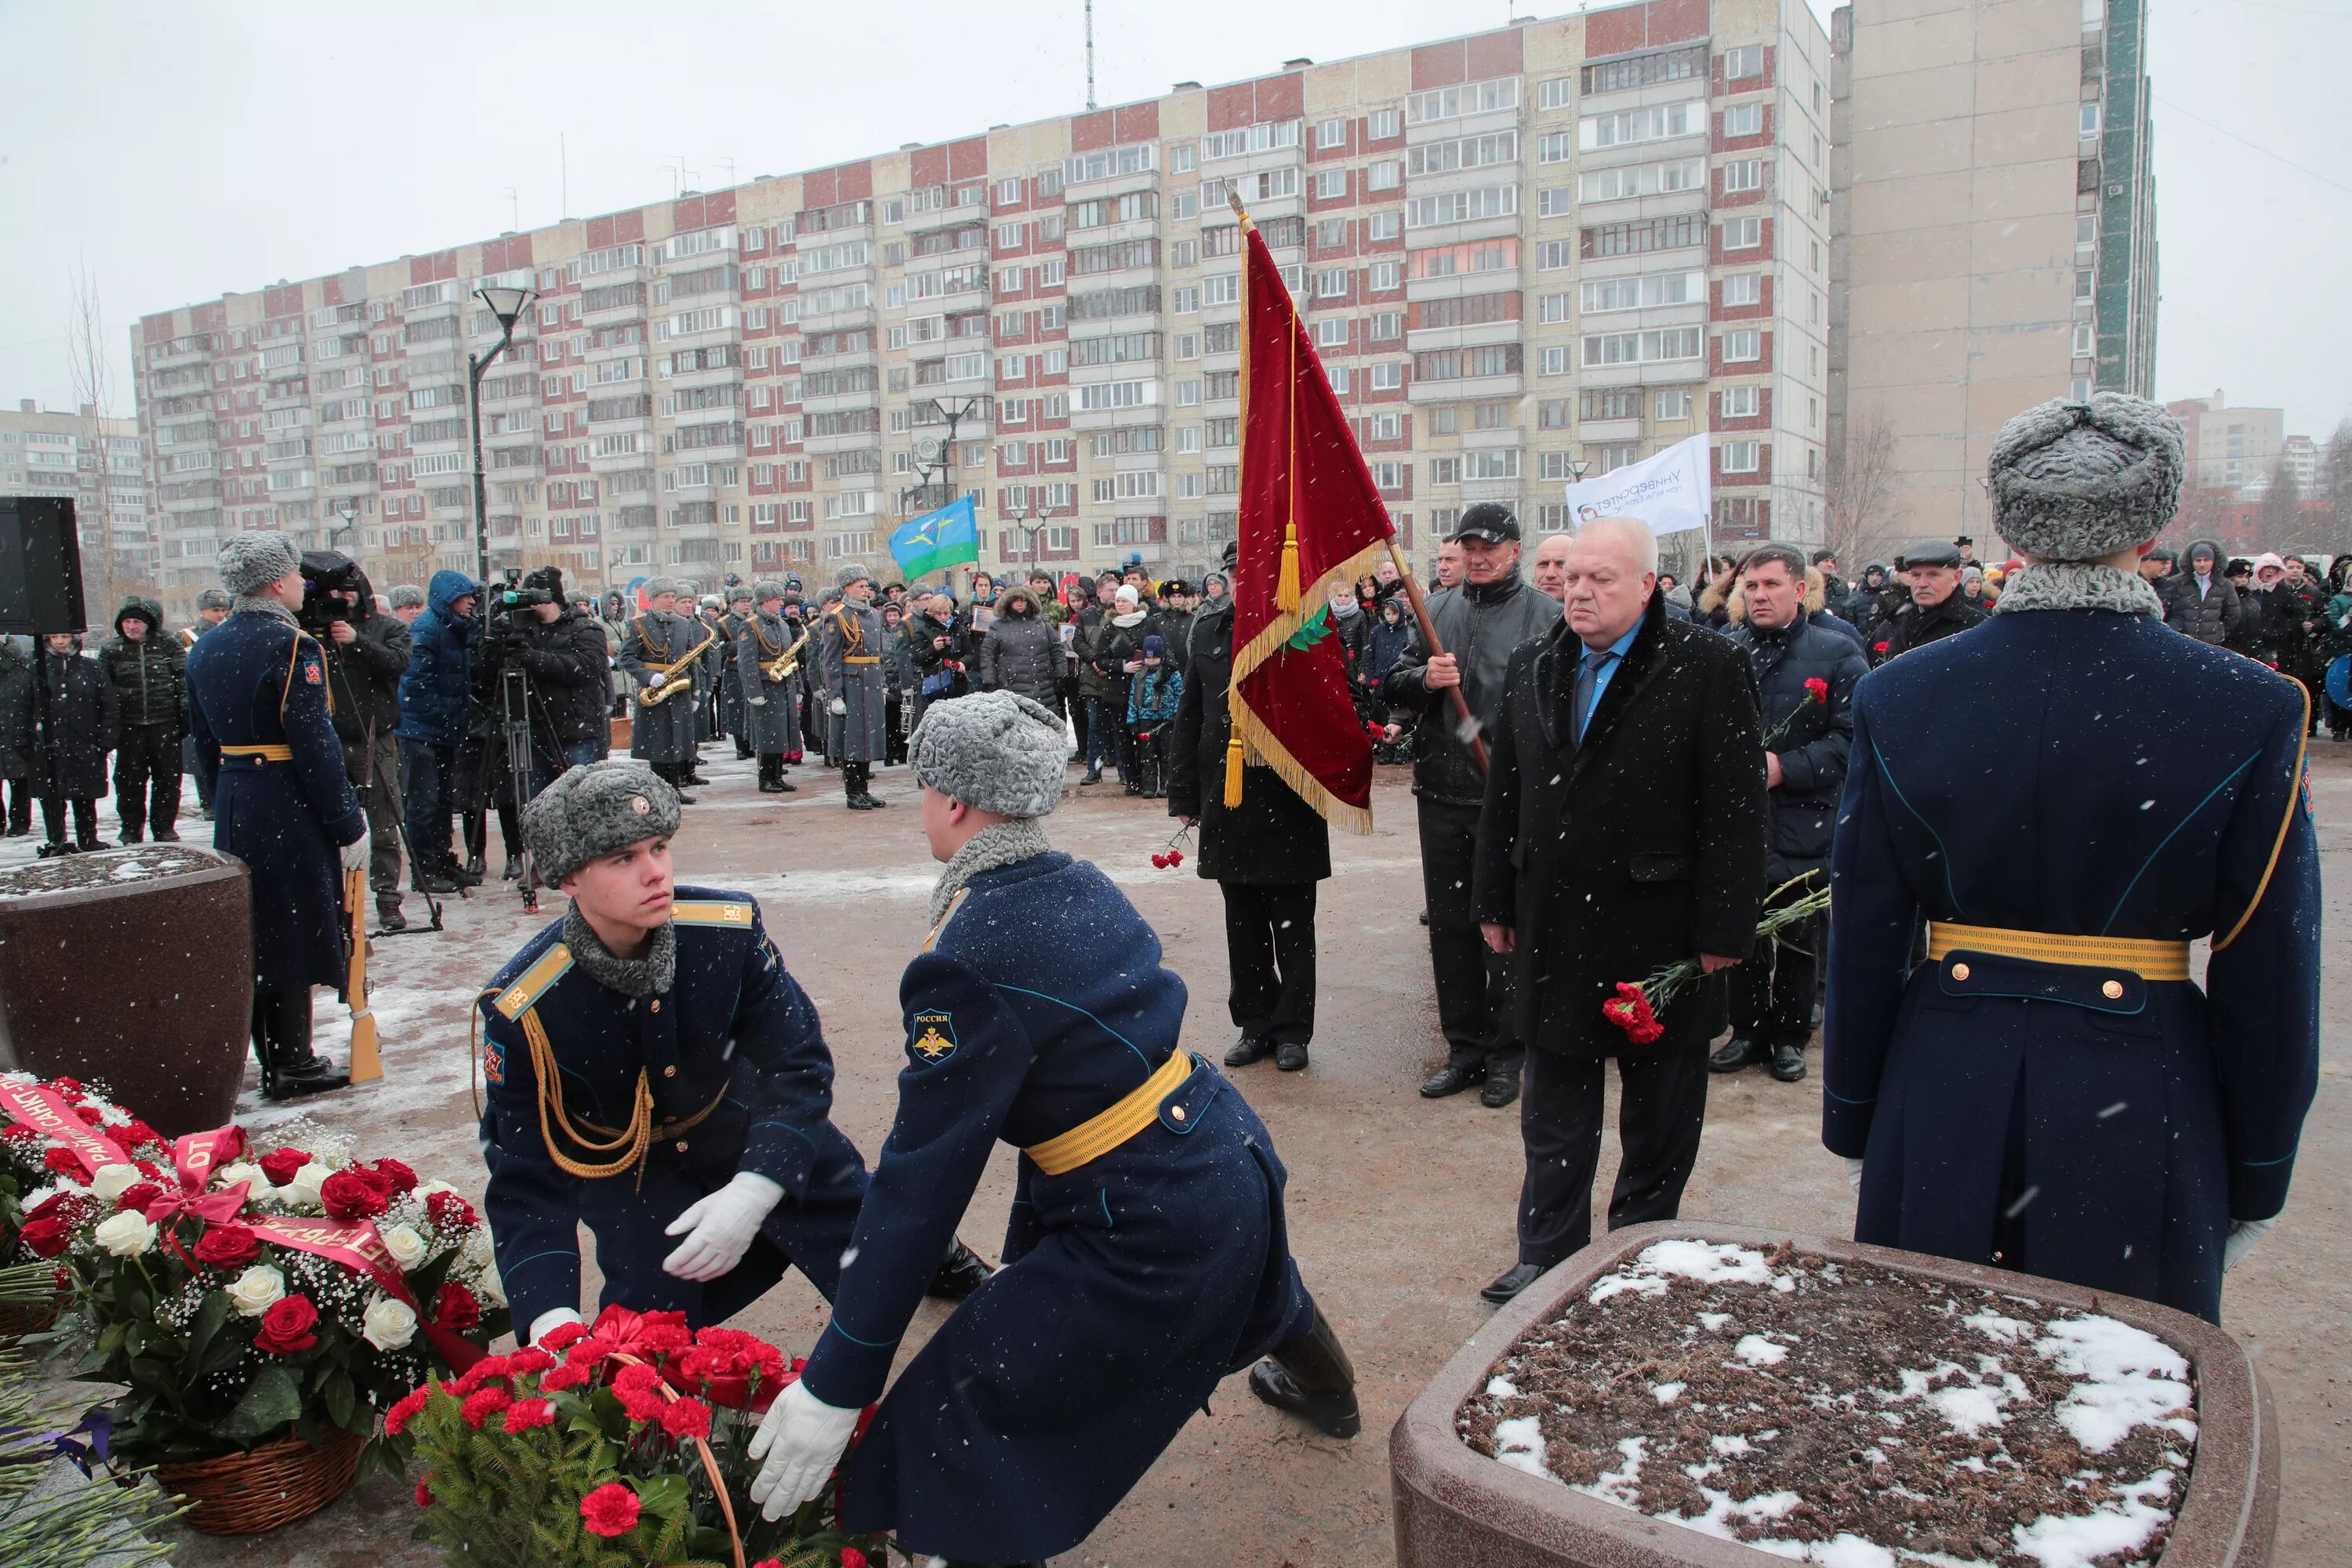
[[2149, 957], [1101, 1134], [861, 658], [268, 751]]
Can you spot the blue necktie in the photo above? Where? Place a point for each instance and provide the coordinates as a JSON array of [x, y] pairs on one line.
[[1588, 676]]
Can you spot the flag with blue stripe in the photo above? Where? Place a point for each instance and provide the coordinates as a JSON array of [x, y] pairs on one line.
[[936, 539]]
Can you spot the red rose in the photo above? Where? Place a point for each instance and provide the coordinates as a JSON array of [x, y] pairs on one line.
[[686, 1418], [852, 1558], [424, 1499], [134, 1132], [46, 1238], [63, 1162], [286, 1327], [450, 1212], [349, 1195], [404, 1409], [227, 1247], [402, 1179], [66, 1085], [525, 1413], [610, 1509], [138, 1195], [483, 1404], [455, 1308], [281, 1164], [46, 1207]]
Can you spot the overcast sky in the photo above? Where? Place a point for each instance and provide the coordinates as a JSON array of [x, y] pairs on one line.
[[181, 151]]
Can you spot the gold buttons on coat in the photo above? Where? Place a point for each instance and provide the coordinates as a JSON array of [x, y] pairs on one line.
[[681, 1145], [1177, 1111], [656, 1003], [2113, 991], [1959, 972], [669, 1072]]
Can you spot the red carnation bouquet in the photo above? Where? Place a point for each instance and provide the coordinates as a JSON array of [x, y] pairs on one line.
[[239, 1299], [611, 1447], [1634, 1008]]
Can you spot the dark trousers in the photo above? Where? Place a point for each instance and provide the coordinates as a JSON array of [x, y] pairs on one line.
[[188, 767], [1270, 952], [1105, 731], [20, 806], [377, 780], [427, 775], [1473, 982], [85, 818], [1772, 993], [1662, 1108], [281, 1028], [147, 778]]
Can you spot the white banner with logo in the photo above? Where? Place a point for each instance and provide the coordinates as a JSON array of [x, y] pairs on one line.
[[1669, 491]]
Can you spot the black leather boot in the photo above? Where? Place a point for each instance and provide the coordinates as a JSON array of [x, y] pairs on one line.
[[1310, 1377], [959, 1274], [289, 1067], [855, 796]]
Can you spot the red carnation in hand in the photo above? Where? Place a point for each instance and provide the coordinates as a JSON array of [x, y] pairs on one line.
[[1629, 1011], [1175, 856], [482, 1404], [686, 1418], [286, 1327], [402, 1179], [1160, 862], [610, 1509], [455, 1308], [525, 1413], [350, 1195], [138, 1195], [62, 1162], [1817, 688], [227, 1247], [279, 1165], [46, 1238], [1880, 646]]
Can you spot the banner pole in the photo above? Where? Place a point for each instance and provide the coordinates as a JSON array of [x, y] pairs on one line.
[[1467, 725]]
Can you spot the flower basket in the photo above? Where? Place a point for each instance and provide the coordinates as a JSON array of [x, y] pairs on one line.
[[277, 1483], [17, 1321]]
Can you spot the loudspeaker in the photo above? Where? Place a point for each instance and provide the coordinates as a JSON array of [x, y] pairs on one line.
[[40, 566]]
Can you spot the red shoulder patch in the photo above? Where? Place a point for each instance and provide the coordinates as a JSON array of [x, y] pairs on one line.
[[311, 674]]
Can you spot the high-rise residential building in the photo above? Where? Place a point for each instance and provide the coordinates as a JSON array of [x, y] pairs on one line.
[[1995, 215], [2230, 448], [2300, 456], [1566, 241], [94, 462]]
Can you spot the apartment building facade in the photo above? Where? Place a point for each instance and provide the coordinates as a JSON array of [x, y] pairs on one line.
[[1568, 241], [1995, 214], [94, 461]]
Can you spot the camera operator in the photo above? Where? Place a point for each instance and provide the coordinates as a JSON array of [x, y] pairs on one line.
[[366, 655], [561, 652]]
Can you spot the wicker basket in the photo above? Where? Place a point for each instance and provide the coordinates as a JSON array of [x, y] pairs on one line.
[[245, 1494], [15, 1322]]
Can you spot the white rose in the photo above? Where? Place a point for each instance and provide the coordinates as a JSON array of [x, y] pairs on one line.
[[388, 1324], [436, 1185], [112, 1181], [491, 1288], [257, 1290], [407, 1248], [230, 1176], [126, 1235], [302, 1192]]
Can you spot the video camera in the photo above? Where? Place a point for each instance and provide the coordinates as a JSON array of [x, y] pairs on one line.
[[325, 575]]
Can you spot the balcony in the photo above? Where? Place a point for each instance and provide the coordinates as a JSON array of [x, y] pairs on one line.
[[1456, 285], [1475, 336], [841, 320], [833, 403], [1462, 389]]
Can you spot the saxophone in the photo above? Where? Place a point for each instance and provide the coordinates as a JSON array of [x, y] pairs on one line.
[[656, 696], [782, 666]]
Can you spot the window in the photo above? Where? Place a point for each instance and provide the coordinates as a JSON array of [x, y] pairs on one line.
[[1645, 70], [1553, 94], [1110, 163], [1494, 463], [1332, 282], [2083, 284], [1639, 348], [1184, 301], [1748, 60], [1676, 405], [2090, 120], [1627, 127], [1744, 119], [1444, 470], [1388, 376], [1744, 345], [1331, 332], [1331, 185], [1461, 207], [1743, 174], [1455, 364], [1743, 233], [1644, 293], [1553, 255], [1743, 402], [2086, 231], [1743, 288], [1385, 175], [1387, 326], [1468, 310], [2086, 338], [1331, 134], [2082, 389], [1654, 234], [1557, 148], [1265, 137], [1555, 361], [1465, 153], [1739, 456], [1553, 201], [1553, 308], [1471, 97], [1383, 124]]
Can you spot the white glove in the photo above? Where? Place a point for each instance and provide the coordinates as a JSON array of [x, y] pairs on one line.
[[837, 707], [1853, 1173], [548, 1320], [653, 682], [723, 1225], [355, 854], [801, 1439], [2243, 1234], [758, 703]]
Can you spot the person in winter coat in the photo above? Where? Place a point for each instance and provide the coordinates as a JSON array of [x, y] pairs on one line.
[[1094, 687], [1805, 675], [367, 654], [435, 713], [899, 679], [2272, 631], [1172, 621], [1937, 609], [146, 668], [1115, 654], [1153, 698], [2335, 640], [1021, 654], [769, 667], [15, 734], [2202, 601], [561, 652], [943, 643], [69, 741]]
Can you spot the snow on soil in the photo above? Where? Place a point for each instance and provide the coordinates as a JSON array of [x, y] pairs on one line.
[[1847, 1416]]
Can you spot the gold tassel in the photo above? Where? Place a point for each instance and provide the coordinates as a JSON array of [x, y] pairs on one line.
[[1286, 586], [1234, 773]]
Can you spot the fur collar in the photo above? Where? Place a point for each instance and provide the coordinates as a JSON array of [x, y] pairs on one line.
[[2077, 585], [991, 848], [261, 605], [651, 976]]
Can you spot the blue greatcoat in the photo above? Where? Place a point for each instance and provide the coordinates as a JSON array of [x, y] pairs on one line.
[[257, 680], [1133, 1283], [735, 1037], [2073, 1121]]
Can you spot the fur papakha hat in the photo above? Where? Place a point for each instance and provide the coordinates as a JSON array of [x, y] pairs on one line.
[[251, 561], [593, 809], [995, 750], [765, 589], [853, 572], [2074, 481]]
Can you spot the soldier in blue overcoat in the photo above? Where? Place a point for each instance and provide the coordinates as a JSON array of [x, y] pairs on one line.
[[1146, 1256], [281, 801], [655, 1071], [2048, 1091], [661, 651]]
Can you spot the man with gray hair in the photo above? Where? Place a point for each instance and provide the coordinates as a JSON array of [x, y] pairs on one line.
[[408, 602], [851, 688], [659, 655], [2049, 1092]]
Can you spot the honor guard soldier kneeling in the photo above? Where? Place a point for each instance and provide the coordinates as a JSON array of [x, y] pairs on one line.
[[1147, 1257], [653, 1072]]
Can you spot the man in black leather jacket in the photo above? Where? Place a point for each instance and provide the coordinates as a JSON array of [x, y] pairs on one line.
[[1492, 611], [367, 654]]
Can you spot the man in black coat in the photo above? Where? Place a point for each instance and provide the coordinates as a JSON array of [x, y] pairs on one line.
[[69, 728], [1479, 621], [1937, 608], [1804, 676], [562, 653], [367, 653], [1623, 831], [144, 667], [1266, 855]]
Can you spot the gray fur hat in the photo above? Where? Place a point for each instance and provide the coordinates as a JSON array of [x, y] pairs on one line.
[[851, 572], [2074, 481], [593, 809], [765, 589], [740, 593], [713, 602], [251, 561], [655, 588], [406, 594], [995, 750], [219, 599]]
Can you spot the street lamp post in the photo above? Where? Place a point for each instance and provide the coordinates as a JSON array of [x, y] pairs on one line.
[[507, 304], [347, 515]]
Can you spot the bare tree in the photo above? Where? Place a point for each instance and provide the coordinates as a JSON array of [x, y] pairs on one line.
[[1858, 512], [104, 569], [2282, 509], [2335, 526]]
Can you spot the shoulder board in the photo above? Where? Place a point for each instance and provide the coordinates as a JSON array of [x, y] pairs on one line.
[[954, 903], [711, 912], [534, 982]]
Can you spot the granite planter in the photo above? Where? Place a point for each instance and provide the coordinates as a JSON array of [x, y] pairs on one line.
[[1456, 1506], [133, 968]]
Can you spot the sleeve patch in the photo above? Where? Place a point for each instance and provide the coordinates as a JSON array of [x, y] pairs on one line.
[[930, 1038], [311, 674], [494, 1062]]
